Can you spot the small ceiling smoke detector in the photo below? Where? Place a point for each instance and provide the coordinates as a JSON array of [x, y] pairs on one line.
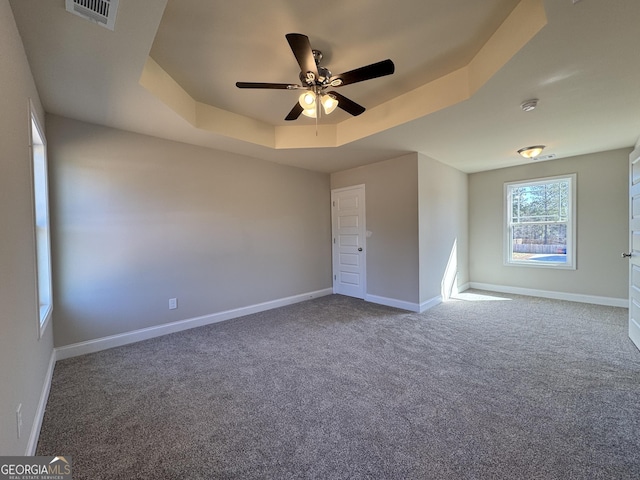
[[529, 105], [102, 12]]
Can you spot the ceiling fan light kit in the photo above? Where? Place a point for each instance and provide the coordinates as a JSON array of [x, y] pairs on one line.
[[316, 79], [309, 101]]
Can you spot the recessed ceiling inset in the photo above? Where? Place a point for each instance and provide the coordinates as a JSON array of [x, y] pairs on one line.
[[253, 119]]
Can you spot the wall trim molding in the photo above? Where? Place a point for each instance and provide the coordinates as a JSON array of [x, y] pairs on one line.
[[92, 346], [392, 302], [34, 435], [424, 306], [571, 297], [404, 305]]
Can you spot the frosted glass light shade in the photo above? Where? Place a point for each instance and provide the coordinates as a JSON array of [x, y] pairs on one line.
[[307, 100], [329, 103], [309, 112], [531, 152]]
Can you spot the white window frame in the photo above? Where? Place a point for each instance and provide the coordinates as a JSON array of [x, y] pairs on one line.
[[570, 263], [41, 230]]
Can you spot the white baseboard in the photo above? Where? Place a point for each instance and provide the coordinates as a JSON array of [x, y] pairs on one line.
[[424, 306], [571, 297], [126, 338], [404, 305], [32, 444], [392, 302]]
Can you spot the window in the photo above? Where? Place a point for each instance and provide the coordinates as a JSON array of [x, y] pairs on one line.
[[540, 222], [38, 151]]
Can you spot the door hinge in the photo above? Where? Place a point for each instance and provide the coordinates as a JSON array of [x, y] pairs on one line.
[[335, 277], [333, 203], [334, 241]]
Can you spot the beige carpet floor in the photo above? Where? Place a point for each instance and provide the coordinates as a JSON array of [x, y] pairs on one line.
[[484, 386]]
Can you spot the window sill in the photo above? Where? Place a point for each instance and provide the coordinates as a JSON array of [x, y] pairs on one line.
[[547, 265]]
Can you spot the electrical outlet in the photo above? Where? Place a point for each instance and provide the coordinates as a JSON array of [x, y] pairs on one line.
[[173, 303], [19, 420]]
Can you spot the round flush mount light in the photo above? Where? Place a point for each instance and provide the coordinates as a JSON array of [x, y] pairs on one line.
[[529, 105], [531, 152]]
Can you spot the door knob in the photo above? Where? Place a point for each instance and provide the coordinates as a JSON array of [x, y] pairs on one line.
[[360, 249], [626, 255]]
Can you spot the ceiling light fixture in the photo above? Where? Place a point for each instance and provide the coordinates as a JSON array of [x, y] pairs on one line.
[[310, 112], [329, 103], [317, 79], [309, 102], [531, 152]]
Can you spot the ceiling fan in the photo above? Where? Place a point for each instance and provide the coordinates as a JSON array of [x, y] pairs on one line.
[[317, 80]]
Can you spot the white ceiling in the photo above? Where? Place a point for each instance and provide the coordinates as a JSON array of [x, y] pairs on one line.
[[582, 65]]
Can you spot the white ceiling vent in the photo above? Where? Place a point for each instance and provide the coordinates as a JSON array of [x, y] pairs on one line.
[[102, 12]]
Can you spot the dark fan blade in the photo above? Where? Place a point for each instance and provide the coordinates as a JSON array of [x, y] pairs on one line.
[[374, 70], [276, 86], [295, 112], [304, 55], [347, 105]]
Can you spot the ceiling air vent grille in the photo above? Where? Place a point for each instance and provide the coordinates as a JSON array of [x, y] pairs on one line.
[[102, 12]]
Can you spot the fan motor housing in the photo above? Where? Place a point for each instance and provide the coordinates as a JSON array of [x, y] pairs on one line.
[[324, 75]]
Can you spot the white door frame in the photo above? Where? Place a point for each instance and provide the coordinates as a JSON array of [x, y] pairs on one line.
[[361, 243], [634, 247]]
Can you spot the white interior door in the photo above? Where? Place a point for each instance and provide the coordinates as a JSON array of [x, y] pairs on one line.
[[348, 249], [634, 247]]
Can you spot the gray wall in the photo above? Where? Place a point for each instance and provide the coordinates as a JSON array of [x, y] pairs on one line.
[[443, 213], [391, 193], [139, 220], [23, 358], [602, 226], [416, 209]]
